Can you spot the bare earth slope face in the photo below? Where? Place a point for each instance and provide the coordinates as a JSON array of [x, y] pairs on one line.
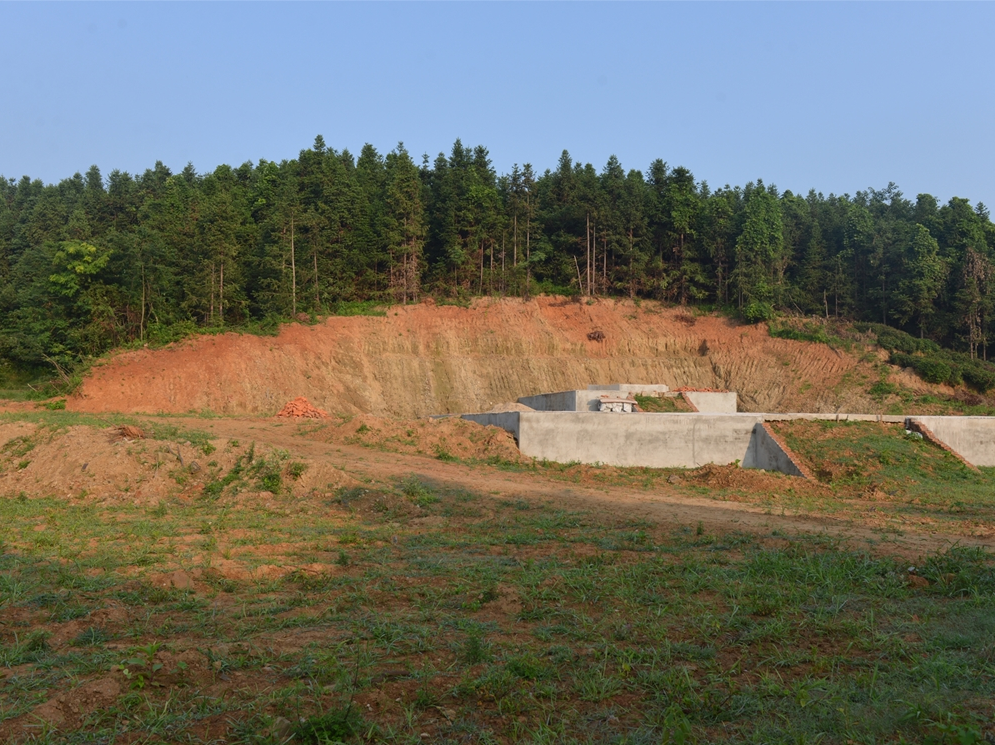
[[428, 359]]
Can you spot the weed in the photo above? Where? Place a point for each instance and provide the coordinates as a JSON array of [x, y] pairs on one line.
[[418, 492]]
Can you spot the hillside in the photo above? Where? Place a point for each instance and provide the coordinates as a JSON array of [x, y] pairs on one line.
[[428, 359]]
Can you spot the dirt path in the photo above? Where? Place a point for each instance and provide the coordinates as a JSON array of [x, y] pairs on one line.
[[664, 504]]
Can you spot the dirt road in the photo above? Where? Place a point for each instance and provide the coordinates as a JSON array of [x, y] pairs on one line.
[[663, 504]]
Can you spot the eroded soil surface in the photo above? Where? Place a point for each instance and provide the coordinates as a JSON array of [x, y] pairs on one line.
[[420, 360]]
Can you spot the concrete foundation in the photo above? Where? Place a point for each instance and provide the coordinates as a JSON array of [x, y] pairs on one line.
[[588, 400], [646, 440], [567, 427]]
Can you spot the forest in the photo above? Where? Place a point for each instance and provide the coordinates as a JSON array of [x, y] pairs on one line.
[[92, 263]]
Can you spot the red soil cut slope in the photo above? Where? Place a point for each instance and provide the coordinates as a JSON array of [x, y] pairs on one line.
[[427, 359]]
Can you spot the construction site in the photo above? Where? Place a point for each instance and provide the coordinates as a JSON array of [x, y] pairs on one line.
[[454, 524]]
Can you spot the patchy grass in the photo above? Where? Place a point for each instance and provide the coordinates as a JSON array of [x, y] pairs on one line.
[[664, 404], [57, 419], [877, 465], [472, 620]]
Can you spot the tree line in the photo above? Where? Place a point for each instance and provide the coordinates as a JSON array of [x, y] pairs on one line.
[[93, 262]]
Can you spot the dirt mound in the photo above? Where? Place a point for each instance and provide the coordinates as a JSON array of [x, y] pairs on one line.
[[510, 406], [449, 438], [300, 407], [90, 464], [426, 359]]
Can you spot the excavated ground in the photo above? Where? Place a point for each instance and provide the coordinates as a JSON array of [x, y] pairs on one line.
[[427, 359]]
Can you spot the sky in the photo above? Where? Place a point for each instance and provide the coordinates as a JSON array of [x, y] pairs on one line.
[[837, 97]]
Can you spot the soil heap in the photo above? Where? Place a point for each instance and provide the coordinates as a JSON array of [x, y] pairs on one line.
[[299, 408]]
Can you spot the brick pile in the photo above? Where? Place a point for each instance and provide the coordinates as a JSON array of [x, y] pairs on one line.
[[299, 408]]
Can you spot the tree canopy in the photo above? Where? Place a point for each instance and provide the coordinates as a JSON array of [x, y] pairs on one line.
[[93, 262]]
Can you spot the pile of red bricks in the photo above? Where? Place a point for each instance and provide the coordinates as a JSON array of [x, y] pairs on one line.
[[300, 407]]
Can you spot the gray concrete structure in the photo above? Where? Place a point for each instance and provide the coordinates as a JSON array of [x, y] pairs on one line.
[[567, 427], [648, 440], [713, 402], [723, 402], [654, 389], [766, 453], [588, 400], [971, 437]]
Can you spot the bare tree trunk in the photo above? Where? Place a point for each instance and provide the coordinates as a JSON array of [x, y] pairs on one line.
[[587, 257], [490, 277], [293, 271], [514, 243], [528, 256], [221, 295], [141, 323], [317, 294], [504, 289]]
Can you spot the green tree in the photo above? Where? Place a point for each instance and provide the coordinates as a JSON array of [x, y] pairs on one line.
[[758, 254], [925, 272]]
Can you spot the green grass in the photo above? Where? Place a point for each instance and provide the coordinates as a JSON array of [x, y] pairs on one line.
[[504, 621], [664, 404], [867, 455], [56, 420]]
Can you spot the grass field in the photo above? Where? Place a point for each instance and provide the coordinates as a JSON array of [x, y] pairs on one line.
[[419, 613]]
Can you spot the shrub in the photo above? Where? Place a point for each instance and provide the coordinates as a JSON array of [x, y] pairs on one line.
[[757, 311]]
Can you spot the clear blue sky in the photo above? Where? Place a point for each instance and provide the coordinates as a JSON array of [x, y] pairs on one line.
[[837, 97]]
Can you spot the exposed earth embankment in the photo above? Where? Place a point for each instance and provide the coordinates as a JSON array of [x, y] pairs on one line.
[[428, 359]]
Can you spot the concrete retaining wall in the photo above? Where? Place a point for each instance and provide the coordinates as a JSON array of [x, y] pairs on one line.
[[634, 388], [647, 440], [507, 420], [650, 440], [692, 440], [971, 437], [710, 402], [564, 401], [768, 453]]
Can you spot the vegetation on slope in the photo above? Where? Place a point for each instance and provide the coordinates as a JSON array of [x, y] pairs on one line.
[[92, 263]]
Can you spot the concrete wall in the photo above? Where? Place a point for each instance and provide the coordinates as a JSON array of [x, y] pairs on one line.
[[507, 420], [649, 440], [708, 402], [643, 390], [563, 401], [972, 437], [842, 417], [767, 454]]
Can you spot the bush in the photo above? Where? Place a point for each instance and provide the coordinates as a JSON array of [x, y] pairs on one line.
[[160, 334], [756, 311], [980, 376]]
